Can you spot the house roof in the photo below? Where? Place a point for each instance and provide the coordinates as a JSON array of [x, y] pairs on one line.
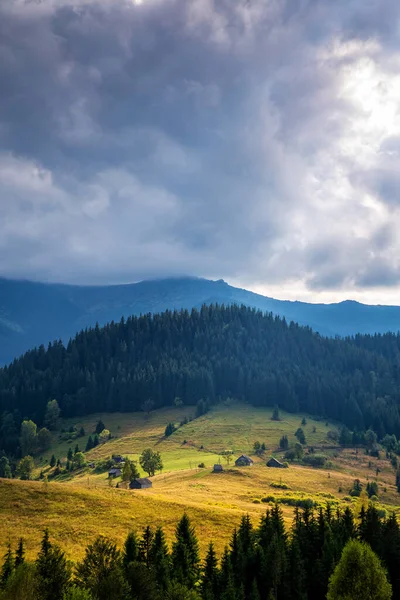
[[114, 471], [245, 457], [274, 460], [218, 467], [142, 481]]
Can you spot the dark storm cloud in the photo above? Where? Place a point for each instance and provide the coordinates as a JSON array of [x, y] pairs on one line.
[[217, 139]]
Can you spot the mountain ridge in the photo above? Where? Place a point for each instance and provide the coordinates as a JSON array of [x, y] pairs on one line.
[[35, 313]]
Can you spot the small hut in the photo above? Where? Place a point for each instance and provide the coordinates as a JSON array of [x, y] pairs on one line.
[[141, 483], [117, 458], [273, 462], [114, 473], [244, 461], [217, 469]]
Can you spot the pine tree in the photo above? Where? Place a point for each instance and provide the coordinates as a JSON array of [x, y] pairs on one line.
[[275, 414], [5, 469], [131, 550], [185, 553], [160, 559], [20, 553], [8, 566], [145, 545], [210, 580], [99, 427], [101, 571], [254, 594], [89, 444], [70, 454], [53, 571], [52, 461]]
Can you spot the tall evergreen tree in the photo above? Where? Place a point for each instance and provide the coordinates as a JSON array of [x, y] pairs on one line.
[[19, 553], [160, 559], [145, 546], [8, 566], [101, 571], [52, 571], [131, 549], [185, 553], [210, 580]]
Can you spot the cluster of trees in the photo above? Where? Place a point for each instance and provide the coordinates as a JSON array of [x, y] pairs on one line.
[[327, 554], [200, 357]]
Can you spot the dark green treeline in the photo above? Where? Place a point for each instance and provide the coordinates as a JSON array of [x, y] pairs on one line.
[[261, 563], [208, 354]]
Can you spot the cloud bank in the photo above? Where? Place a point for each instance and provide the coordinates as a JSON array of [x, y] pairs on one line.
[[255, 140]]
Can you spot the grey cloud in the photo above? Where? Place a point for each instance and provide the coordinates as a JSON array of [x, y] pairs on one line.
[[191, 136]]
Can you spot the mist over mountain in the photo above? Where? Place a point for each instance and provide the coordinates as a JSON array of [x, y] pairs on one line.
[[35, 313]]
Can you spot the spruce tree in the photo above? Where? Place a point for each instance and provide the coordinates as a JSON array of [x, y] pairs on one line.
[[20, 553], [101, 571], [210, 579], [131, 550], [185, 553], [5, 469], [52, 571], [145, 545], [160, 559], [53, 461], [89, 444], [8, 566], [254, 593], [70, 454]]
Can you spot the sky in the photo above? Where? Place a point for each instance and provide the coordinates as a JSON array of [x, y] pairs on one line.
[[256, 141]]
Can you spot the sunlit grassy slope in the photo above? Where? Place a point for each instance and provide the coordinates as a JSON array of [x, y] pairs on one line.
[[78, 509], [227, 426]]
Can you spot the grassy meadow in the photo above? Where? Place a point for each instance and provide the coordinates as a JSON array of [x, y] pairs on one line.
[[86, 503]]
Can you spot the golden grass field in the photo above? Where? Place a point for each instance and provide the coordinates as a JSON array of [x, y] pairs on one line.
[[78, 509]]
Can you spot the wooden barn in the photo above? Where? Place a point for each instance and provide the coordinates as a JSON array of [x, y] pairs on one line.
[[244, 461], [141, 483], [115, 472], [273, 462]]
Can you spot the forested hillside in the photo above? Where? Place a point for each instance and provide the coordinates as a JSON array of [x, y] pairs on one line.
[[35, 313], [147, 362]]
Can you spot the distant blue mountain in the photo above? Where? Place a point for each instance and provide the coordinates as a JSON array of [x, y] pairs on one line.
[[35, 313]]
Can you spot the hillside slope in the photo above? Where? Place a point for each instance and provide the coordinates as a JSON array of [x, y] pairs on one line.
[[202, 357], [36, 313]]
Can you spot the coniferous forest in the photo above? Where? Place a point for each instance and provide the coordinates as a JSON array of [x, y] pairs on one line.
[[329, 554], [206, 355]]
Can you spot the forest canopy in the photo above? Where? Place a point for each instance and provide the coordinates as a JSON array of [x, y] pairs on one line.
[[149, 361]]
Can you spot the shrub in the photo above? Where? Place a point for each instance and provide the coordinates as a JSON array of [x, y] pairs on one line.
[[201, 465], [169, 430], [104, 465], [356, 489], [372, 489], [315, 460], [256, 501], [284, 442], [281, 486], [300, 436], [268, 499]]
